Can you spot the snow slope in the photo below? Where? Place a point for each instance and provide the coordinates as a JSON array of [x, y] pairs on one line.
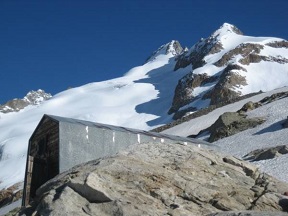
[[268, 134], [140, 99]]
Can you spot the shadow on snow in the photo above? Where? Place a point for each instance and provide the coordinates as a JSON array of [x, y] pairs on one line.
[[165, 84]]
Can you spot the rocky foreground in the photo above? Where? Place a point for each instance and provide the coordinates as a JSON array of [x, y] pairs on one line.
[[162, 179]]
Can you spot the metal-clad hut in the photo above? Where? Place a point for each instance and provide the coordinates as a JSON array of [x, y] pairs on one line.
[[59, 143]]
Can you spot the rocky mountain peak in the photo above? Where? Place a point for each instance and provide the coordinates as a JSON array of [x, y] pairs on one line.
[[36, 97], [211, 45], [31, 98], [174, 48]]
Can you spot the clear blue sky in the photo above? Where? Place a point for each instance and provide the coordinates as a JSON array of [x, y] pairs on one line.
[[56, 44]]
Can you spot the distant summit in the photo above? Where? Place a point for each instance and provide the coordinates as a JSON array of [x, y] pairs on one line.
[[32, 98]]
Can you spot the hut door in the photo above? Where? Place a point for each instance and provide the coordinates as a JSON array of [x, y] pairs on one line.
[[39, 175]]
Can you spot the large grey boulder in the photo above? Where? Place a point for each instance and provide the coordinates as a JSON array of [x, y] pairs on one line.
[[160, 179], [230, 123]]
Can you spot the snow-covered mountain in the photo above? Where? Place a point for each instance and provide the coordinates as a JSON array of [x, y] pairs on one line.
[[229, 64], [173, 78]]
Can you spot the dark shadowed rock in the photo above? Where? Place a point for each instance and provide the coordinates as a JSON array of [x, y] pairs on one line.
[[266, 153], [231, 123], [227, 81], [278, 44], [184, 90], [160, 179]]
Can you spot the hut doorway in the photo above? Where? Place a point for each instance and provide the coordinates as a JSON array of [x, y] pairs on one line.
[[39, 175]]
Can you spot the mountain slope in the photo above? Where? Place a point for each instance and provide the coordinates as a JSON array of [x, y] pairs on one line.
[[139, 99], [143, 97]]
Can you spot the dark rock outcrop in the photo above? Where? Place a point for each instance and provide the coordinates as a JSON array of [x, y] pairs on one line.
[[274, 97], [266, 153], [243, 50], [221, 92], [184, 90], [278, 44], [223, 89], [231, 123], [160, 179]]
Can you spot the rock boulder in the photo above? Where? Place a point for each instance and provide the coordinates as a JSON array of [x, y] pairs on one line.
[[160, 179]]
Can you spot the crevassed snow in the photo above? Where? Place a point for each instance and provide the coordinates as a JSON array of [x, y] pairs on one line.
[[140, 99]]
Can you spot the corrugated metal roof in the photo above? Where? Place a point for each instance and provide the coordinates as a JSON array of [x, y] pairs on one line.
[[125, 129]]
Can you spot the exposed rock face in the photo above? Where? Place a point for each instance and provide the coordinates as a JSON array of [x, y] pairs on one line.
[[243, 50], [266, 153], [278, 44], [231, 123], [185, 87], [160, 179], [223, 90], [32, 98]]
